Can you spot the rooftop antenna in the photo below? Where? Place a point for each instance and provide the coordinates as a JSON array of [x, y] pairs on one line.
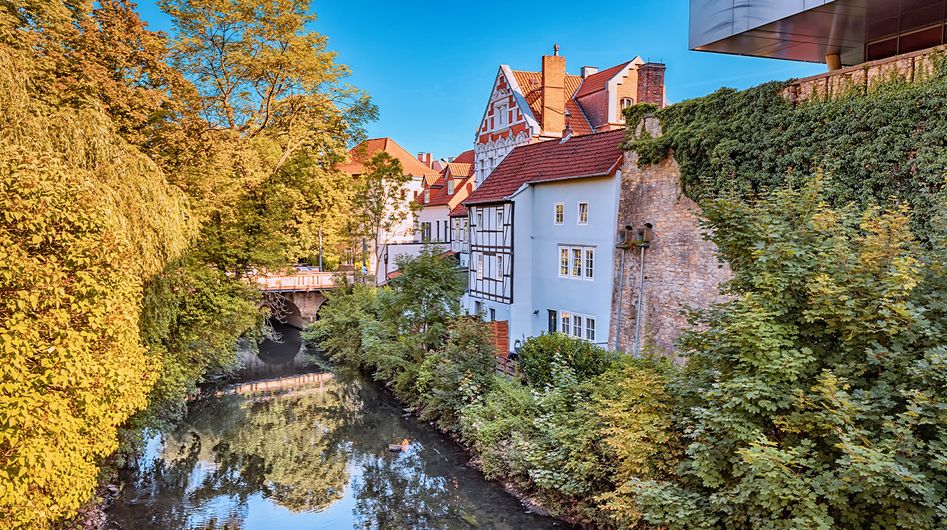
[[555, 49]]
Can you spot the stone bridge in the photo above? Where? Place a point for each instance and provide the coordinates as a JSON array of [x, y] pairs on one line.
[[297, 296]]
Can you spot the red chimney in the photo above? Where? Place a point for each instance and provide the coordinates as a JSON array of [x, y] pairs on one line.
[[651, 83], [554, 93], [426, 158]]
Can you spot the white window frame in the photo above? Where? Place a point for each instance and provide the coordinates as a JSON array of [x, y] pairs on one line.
[[624, 103], [479, 266], [579, 219], [499, 259], [558, 213], [585, 265], [427, 196], [569, 320], [450, 186]]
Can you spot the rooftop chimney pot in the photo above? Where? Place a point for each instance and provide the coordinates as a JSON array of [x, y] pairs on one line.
[[589, 70]]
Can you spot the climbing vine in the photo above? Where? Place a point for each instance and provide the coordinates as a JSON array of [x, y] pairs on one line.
[[890, 143]]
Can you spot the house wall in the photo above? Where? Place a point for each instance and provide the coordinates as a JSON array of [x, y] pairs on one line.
[[489, 239], [437, 216], [498, 135], [549, 290], [681, 269]]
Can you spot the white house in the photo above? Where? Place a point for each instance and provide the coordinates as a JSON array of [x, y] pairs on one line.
[[542, 238], [422, 170]]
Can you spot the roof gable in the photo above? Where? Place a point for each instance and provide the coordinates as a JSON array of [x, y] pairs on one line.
[[599, 81], [592, 155], [362, 153]]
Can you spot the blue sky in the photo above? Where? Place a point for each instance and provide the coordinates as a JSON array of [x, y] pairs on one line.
[[429, 65]]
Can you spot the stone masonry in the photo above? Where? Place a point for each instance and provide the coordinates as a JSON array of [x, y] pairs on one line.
[[681, 269]]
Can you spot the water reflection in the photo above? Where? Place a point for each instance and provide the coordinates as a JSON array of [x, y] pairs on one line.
[[308, 452]]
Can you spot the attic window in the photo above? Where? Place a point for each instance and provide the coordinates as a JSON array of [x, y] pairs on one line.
[[427, 196], [626, 102], [450, 187]]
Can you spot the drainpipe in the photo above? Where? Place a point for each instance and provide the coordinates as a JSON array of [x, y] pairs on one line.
[[638, 310], [621, 283], [643, 240], [622, 247]]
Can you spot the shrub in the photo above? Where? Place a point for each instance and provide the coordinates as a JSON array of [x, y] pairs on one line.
[[499, 426], [636, 406], [537, 356], [458, 374], [820, 388], [342, 322]]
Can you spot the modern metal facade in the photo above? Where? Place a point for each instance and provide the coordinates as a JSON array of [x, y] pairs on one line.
[[809, 30]]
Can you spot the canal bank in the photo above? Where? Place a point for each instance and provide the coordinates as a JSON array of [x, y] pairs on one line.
[[307, 445]]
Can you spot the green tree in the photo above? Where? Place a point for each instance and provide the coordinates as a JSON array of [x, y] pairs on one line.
[[819, 387], [381, 203]]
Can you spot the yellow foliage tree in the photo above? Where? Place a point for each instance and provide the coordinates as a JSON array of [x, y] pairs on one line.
[[84, 219]]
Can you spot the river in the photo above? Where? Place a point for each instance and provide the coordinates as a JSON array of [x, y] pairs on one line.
[[304, 444]]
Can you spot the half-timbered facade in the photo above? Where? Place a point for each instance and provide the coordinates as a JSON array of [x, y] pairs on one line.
[[542, 238], [491, 253], [526, 107]]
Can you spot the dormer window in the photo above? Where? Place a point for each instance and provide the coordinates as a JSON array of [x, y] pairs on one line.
[[626, 102], [450, 187], [427, 196]]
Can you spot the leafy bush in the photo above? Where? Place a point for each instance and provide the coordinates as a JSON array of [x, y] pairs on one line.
[[499, 426], [460, 373], [538, 355], [820, 385], [345, 314], [636, 406]]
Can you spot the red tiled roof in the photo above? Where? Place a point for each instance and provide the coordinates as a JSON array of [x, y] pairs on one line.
[[362, 152], [467, 157], [599, 80], [459, 211], [591, 155]]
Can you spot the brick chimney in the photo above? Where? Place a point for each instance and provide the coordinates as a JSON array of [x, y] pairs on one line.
[[426, 158], [651, 83], [554, 93]]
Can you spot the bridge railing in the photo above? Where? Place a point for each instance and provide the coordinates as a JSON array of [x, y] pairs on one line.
[[299, 281]]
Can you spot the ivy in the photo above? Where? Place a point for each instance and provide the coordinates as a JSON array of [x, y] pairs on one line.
[[889, 143]]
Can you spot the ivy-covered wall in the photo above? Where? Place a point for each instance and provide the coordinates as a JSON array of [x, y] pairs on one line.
[[869, 148]]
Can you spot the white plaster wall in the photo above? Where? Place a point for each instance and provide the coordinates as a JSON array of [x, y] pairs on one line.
[[549, 290]]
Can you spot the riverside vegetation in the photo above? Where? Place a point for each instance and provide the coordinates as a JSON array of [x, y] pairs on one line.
[[813, 398]]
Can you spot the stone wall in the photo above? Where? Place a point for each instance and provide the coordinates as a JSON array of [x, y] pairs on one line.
[[681, 269], [862, 78]]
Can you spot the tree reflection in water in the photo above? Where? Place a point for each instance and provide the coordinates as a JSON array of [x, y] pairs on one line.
[[423, 500], [286, 460]]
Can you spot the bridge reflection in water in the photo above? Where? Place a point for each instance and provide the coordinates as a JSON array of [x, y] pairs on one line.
[[307, 450]]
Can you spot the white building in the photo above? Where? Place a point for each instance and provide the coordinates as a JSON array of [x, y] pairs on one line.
[[402, 238], [542, 238]]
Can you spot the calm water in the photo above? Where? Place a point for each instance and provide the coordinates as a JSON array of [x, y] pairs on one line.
[[312, 453]]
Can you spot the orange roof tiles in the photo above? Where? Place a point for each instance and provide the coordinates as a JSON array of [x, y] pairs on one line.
[[599, 80], [592, 155], [467, 157], [362, 152], [531, 85], [460, 170]]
